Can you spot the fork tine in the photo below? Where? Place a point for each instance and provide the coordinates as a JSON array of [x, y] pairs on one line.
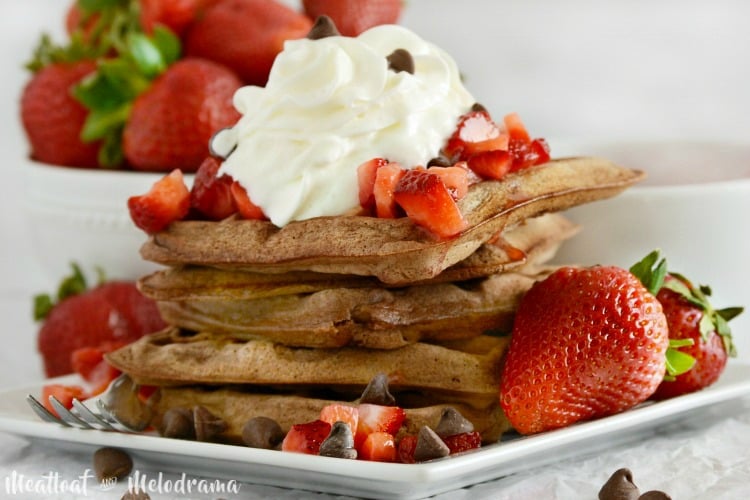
[[43, 412], [67, 416], [91, 417]]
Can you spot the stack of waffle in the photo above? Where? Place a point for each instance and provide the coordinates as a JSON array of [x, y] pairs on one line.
[[279, 322]]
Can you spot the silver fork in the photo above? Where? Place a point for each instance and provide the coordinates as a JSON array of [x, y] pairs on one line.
[[107, 418]]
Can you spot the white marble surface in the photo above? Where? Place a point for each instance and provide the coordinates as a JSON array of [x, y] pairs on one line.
[[580, 70]]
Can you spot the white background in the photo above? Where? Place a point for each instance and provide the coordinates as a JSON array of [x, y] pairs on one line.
[[581, 70]]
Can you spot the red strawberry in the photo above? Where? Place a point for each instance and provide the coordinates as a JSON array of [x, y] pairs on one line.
[[53, 119], [172, 122], [64, 393], [378, 447], [352, 17], [465, 441], [428, 203], [406, 448], [366, 175], [341, 413], [245, 35], [108, 315], [455, 178], [586, 343], [210, 195], [476, 132], [90, 364], [386, 179], [491, 164], [306, 438], [246, 208], [691, 317], [377, 418], [177, 15], [525, 151], [168, 200]]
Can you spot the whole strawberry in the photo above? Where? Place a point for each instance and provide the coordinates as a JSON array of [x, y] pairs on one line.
[[691, 317], [53, 119], [352, 17], [111, 312], [586, 343], [171, 123], [245, 35]]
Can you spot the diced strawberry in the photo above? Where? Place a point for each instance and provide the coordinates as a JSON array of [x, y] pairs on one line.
[[491, 164], [455, 178], [515, 128], [306, 438], [89, 362], [377, 418], [167, 201], [406, 448], [529, 154], [476, 132], [378, 447], [428, 203], [366, 174], [146, 391], [64, 393], [246, 208], [386, 179], [341, 413], [463, 442], [212, 195]]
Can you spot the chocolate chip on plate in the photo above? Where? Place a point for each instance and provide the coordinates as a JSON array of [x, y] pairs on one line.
[[111, 463], [178, 423], [262, 432], [654, 495], [207, 425], [619, 486], [339, 443], [429, 445]]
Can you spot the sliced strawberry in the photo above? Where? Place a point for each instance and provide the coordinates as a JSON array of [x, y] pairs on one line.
[[428, 203], [167, 201], [377, 418], [455, 178], [463, 442], [146, 391], [366, 174], [89, 362], [378, 447], [246, 208], [386, 179], [64, 393], [476, 132], [515, 128], [212, 195], [406, 448], [491, 164], [341, 413], [306, 438]]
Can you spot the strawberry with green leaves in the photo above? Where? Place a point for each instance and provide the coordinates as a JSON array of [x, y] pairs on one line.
[[586, 343], [700, 333]]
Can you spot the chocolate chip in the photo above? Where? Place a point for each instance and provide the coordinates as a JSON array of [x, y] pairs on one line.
[[401, 60], [111, 463], [440, 161], [377, 392], [133, 495], [323, 28], [478, 107], [262, 432], [339, 443], [207, 425], [619, 486], [178, 423], [429, 445], [654, 495], [452, 423]]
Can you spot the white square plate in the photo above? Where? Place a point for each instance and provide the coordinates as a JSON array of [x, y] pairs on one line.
[[369, 479]]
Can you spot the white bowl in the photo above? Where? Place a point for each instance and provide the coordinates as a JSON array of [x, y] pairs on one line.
[[81, 215], [694, 206]]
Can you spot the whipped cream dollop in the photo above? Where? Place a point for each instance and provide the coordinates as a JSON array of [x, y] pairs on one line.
[[330, 105]]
